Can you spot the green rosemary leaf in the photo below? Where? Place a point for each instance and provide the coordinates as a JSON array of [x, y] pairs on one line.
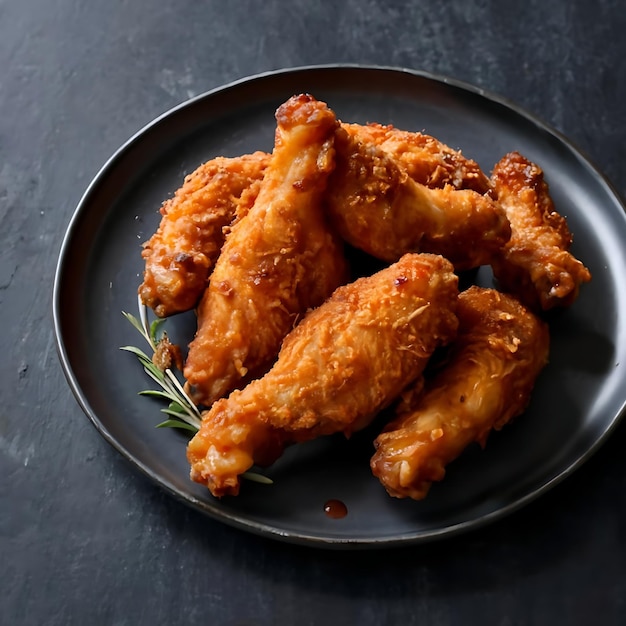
[[176, 406], [154, 372], [185, 400], [154, 329], [257, 478], [182, 412], [176, 423], [145, 324], [137, 352], [181, 416], [134, 321], [157, 394]]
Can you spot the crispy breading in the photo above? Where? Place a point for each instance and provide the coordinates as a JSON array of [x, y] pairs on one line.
[[427, 160], [379, 208], [486, 381], [277, 262], [344, 362], [180, 255], [535, 264]]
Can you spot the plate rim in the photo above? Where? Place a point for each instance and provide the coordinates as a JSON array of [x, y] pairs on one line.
[[241, 521]]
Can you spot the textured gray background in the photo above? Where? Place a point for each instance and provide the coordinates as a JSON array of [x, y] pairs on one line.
[[83, 538]]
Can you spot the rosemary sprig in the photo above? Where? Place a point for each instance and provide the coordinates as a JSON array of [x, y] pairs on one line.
[[181, 411]]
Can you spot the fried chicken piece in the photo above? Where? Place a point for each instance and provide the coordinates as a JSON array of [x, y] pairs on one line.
[[336, 370], [180, 255], [377, 207], [486, 381], [536, 264], [427, 160], [278, 261]]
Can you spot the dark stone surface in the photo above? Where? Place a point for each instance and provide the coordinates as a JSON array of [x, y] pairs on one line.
[[85, 539]]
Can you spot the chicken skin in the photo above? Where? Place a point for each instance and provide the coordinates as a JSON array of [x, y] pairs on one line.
[[180, 255], [427, 160], [486, 381], [342, 364], [377, 207], [278, 261], [536, 264]]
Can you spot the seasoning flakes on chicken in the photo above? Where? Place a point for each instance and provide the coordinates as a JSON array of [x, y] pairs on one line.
[[485, 382], [346, 360], [180, 255], [378, 208], [279, 260], [536, 264]]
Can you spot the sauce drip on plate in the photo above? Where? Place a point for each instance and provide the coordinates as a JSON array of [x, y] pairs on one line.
[[335, 509]]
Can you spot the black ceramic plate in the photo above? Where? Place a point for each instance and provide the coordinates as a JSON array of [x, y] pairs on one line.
[[576, 403]]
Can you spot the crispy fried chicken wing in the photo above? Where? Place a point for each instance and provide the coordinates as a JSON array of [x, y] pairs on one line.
[[379, 208], [536, 264], [427, 160], [180, 255], [278, 261], [486, 381], [342, 364]]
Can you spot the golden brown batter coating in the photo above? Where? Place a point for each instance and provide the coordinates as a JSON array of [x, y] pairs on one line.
[[427, 160], [378, 208], [278, 261], [336, 370], [486, 381], [180, 255], [536, 264]]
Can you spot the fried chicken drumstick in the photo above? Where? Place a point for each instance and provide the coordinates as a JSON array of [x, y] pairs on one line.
[[377, 207], [486, 381], [179, 257], [340, 366], [278, 261], [535, 264]]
